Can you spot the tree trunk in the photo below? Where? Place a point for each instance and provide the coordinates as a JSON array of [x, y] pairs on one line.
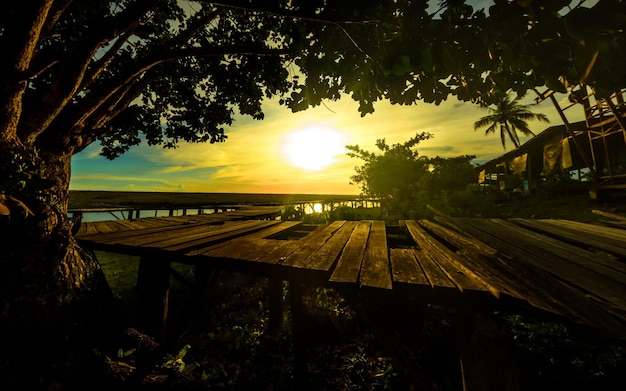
[[56, 306]]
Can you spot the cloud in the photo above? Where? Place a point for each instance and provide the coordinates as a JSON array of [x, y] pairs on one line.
[[253, 157]]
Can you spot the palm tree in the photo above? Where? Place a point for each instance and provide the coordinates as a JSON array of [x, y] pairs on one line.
[[511, 117]]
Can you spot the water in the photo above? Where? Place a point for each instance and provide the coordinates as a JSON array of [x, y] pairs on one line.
[[121, 215]]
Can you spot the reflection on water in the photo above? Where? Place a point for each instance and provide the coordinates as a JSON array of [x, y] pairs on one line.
[[317, 207]]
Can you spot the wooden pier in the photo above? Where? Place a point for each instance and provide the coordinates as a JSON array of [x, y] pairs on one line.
[[554, 268]]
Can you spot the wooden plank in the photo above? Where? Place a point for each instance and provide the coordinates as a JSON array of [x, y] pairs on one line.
[[463, 277], [249, 248], [589, 276], [254, 250], [562, 298], [115, 226], [221, 249], [375, 270], [538, 287], [602, 233], [134, 229], [491, 264], [244, 241], [82, 230], [90, 229], [437, 278], [180, 237], [609, 215], [298, 250], [349, 264], [405, 269], [324, 258], [101, 226], [587, 240], [602, 264], [599, 263], [172, 235], [219, 237]]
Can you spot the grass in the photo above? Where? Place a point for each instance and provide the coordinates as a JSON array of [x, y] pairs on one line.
[[225, 344]]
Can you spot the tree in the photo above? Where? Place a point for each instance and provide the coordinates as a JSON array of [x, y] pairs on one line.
[[511, 117], [392, 175], [406, 182], [163, 71], [449, 175]]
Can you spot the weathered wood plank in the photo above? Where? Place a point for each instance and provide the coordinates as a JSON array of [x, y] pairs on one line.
[[349, 264], [437, 278], [218, 237], [490, 263], [298, 250], [562, 297], [254, 247], [181, 237], [569, 266], [245, 241], [463, 277], [90, 229], [405, 269], [375, 271], [536, 285], [136, 230], [588, 240], [601, 231], [601, 263], [324, 258], [609, 215], [101, 227]]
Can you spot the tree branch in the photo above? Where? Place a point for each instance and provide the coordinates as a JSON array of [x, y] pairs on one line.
[[18, 47], [73, 69], [96, 124], [57, 10], [97, 101]]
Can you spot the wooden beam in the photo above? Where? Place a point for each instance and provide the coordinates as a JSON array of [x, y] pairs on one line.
[[487, 355], [153, 285]]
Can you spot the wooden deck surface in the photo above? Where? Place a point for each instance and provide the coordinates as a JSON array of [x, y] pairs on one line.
[[572, 269], [242, 212]]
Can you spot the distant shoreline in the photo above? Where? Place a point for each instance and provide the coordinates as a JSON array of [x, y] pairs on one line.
[[80, 199]]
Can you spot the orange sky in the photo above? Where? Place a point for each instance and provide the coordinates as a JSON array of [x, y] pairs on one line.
[[296, 153]]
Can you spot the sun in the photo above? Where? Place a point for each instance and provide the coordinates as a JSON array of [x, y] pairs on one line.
[[313, 148]]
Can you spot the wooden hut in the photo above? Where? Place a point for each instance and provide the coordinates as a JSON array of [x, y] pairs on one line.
[[596, 146]]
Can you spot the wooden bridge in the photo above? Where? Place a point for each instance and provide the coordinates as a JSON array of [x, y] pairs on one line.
[[556, 268]]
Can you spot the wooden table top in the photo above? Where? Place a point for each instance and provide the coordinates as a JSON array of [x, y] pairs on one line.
[[572, 269]]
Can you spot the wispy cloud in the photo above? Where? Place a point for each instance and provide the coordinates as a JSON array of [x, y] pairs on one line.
[[253, 159]]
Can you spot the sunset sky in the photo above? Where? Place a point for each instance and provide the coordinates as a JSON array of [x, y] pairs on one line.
[[297, 153]]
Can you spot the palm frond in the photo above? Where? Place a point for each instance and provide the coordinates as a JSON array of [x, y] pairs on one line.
[[492, 128], [522, 126], [486, 120]]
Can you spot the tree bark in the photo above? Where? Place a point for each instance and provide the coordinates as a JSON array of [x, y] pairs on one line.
[[56, 306]]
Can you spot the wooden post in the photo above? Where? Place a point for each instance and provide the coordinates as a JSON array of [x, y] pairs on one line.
[[298, 336], [487, 355], [153, 285]]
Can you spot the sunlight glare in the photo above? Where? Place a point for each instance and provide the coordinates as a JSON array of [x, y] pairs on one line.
[[314, 148]]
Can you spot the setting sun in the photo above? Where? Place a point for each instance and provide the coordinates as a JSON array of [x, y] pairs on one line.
[[313, 148]]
